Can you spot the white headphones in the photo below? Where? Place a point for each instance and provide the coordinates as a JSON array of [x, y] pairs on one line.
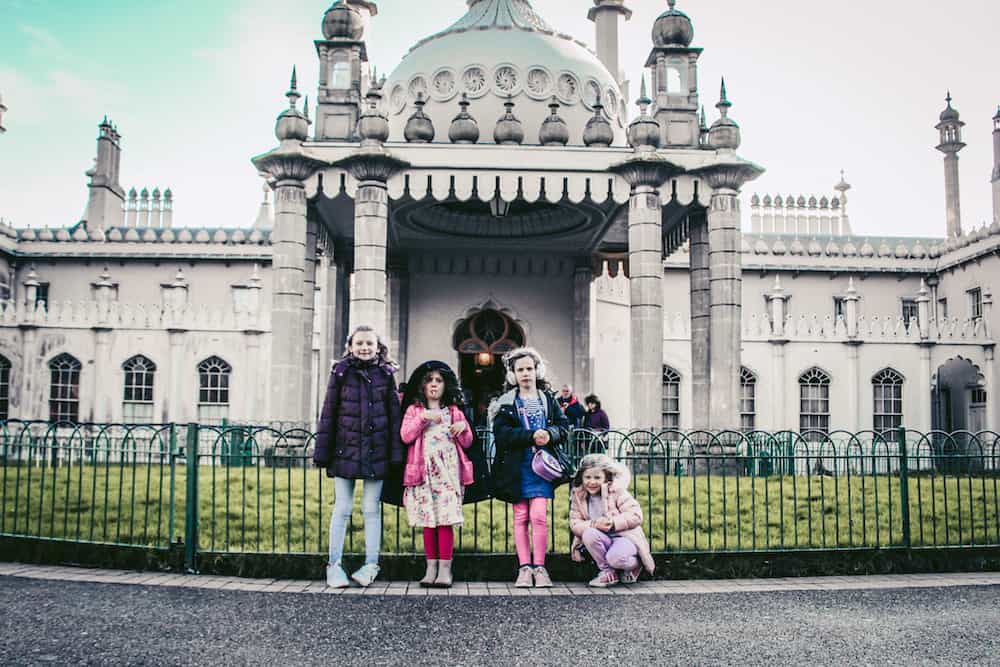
[[511, 358]]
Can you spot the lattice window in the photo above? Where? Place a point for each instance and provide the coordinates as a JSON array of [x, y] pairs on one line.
[[909, 311], [887, 389], [839, 308], [975, 303], [137, 402], [64, 389], [814, 402], [671, 398], [4, 388], [748, 400], [213, 390], [942, 309]]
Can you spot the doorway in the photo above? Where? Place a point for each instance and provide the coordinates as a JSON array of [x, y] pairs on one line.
[[481, 340]]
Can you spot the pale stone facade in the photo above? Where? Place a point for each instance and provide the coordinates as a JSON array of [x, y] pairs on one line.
[[478, 199]]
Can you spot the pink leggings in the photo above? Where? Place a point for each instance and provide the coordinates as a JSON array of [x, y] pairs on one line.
[[535, 510], [439, 543]]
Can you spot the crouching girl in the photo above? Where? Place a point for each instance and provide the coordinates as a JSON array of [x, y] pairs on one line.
[[607, 521]]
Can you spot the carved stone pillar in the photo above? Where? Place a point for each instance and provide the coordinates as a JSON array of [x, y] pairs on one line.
[[726, 290], [308, 314], [646, 173], [700, 318], [583, 277], [398, 312]]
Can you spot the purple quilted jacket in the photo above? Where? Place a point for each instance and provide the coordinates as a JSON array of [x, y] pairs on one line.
[[358, 432]]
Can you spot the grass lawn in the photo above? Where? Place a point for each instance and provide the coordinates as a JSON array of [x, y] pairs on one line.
[[258, 509]]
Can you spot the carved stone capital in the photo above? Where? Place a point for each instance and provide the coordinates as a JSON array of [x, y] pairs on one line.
[[728, 175], [646, 170], [372, 164], [288, 162]]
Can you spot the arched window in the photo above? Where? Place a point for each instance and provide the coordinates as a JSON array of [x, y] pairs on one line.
[[4, 388], [213, 390], [340, 75], [748, 400], [887, 390], [64, 389], [673, 80], [137, 402], [814, 401], [671, 398]]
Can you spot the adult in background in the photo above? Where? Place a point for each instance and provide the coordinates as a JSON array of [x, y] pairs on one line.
[[574, 411], [596, 418]]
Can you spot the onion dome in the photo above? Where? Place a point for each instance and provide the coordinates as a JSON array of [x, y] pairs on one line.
[[673, 28], [725, 133], [949, 113], [508, 129], [598, 130], [554, 131], [644, 131], [464, 129], [373, 126], [419, 128], [342, 21], [292, 124]]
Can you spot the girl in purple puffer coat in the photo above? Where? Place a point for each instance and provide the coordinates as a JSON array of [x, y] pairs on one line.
[[358, 438]]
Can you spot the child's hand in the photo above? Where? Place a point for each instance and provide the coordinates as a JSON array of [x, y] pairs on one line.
[[458, 427], [542, 437], [604, 524], [432, 417]]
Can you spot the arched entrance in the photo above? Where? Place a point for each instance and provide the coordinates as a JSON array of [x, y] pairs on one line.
[[959, 397], [481, 340]]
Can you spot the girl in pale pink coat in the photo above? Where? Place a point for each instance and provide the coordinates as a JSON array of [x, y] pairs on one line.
[[437, 467], [606, 521]]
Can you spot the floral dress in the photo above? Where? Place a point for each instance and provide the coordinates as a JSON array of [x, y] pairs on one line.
[[438, 501]]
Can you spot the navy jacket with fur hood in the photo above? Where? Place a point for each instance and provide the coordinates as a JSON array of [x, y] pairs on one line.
[[511, 438], [358, 432]]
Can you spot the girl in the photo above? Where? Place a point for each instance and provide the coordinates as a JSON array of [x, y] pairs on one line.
[[437, 467], [596, 418], [358, 438], [527, 417], [607, 521]]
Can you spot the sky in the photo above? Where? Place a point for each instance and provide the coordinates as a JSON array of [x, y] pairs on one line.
[[194, 88]]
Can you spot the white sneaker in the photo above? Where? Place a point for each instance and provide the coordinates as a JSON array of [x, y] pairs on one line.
[[366, 575], [336, 577]]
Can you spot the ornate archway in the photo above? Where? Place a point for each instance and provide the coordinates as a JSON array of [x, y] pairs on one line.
[[481, 339]]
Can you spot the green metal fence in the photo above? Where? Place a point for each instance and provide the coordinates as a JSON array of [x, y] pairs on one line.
[[251, 489]]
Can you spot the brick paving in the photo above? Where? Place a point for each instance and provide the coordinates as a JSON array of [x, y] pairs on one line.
[[501, 589]]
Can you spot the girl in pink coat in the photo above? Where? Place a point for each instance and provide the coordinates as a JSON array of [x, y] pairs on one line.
[[607, 521], [437, 467]]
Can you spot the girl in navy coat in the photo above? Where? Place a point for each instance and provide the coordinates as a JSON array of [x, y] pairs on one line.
[[358, 438]]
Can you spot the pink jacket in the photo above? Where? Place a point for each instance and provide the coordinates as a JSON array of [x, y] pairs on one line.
[[621, 508], [412, 431]]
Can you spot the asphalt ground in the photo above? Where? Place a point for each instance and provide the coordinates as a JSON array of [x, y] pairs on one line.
[[66, 622]]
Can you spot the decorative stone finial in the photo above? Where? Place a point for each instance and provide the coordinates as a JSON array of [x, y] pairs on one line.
[[725, 133], [508, 130], [464, 129], [373, 126], [598, 130], [554, 131], [673, 28], [644, 131], [292, 124], [341, 21], [419, 128]]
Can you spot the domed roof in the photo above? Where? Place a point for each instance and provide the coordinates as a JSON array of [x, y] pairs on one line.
[[342, 21], [502, 48], [949, 113], [673, 28]]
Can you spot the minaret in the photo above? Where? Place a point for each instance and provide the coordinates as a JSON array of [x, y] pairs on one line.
[[950, 128], [605, 15], [673, 67], [343, 68], [104, 204], [996, 166]]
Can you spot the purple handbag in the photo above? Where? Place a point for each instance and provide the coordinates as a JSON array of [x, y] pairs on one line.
[[546, 466]]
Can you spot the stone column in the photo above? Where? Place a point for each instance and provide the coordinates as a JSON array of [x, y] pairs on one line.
[[27, 403], [646, 173], [308, 316], [398, 312], [923, 419], [583, 277], [700, 317], [287, 168], [335, 302], [176, 408], [854, 391], [777, 299], [103, 378], [725, 278], [371, 220], [992, 390]]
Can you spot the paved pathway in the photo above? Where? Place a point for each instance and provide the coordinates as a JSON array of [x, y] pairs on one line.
[[482, 589]]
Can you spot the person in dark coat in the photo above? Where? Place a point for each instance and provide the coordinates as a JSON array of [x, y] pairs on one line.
[[596, 418], [358, 438], [527, 418], [571, 406]]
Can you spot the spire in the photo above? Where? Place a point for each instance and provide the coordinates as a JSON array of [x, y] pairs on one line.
[[293, 91], [724, 104], [643, 100]]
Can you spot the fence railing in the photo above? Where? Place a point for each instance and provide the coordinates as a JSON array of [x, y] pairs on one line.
[[249, 489]]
